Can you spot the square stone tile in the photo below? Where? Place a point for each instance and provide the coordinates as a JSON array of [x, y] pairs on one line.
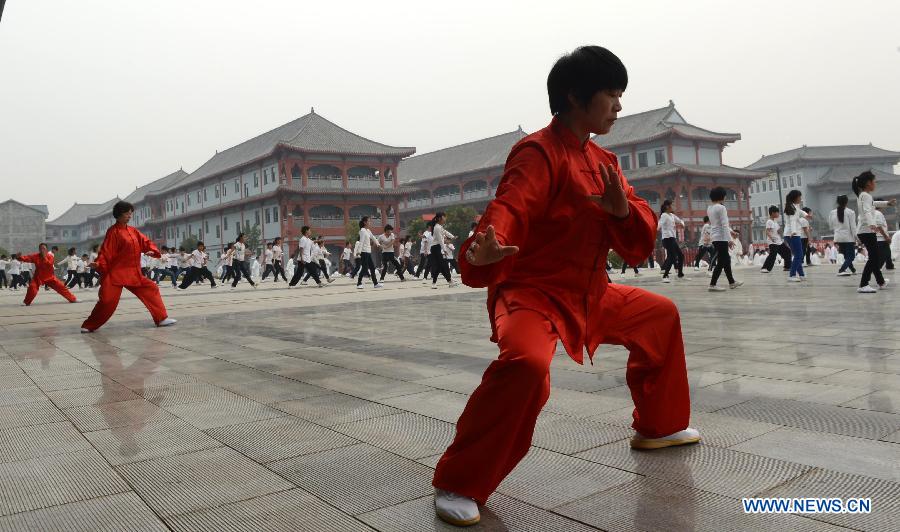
[[135, 443], [175, 485], [363, 385], [571, 435], [358, 478], [501, 514], [279, 438], [26, 414], [16, 379], [219, 412], [585, 382], [461, 382], [335, 408], [23, 443], [880, 401], [409, 435], [111, 513], [723, 471], [140, 380], [870, 458], [76, 380], [109, 392], [52, 480], [182, 394], [293, 510], [110, 415], [547, 479], [816, 417], [438, 404], [18, 396], [582, 404]]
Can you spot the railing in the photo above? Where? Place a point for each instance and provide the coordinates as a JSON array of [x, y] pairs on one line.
[[327, 222], [367, 184], [418, 203], [440, 200], [315, 182], [477, 193]]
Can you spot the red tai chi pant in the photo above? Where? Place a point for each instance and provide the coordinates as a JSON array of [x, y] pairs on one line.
[[109, 296], [34, 286], [494, 431]]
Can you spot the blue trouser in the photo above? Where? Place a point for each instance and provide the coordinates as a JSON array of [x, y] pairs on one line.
[[848, 250], [796, 244]]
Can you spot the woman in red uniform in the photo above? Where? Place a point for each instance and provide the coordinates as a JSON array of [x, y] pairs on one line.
[[44, 274], [119, 264], [560, 186]]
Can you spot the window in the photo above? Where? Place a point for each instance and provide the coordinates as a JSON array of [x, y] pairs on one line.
[[255, 179], [246, 189], [206, 227], [265, 176], [771, 184], [272, 173], [237, 186], [256, 216], [626, 162], [642, 160], [218, 233], [784, 182], [198, 197], [247, 225], [204, 194], [65, 232], [268, 216], [188, 201], [792, 181], [217, 191], [225, 223], [275, 214], [763, 186], [190, 229], [659, 156], [798, 180]]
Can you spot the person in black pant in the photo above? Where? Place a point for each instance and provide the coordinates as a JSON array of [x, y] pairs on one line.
[[425, 250], [807, 234], [387, 242], [198, 268], [777, 246], [278, 262], [366, 265], [304, 260], [268, 261], [667, 229], [884, 238], [239, 264]]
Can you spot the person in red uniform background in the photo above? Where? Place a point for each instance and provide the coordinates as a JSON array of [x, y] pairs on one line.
[[44, 275], [559, 186], [119, 263]]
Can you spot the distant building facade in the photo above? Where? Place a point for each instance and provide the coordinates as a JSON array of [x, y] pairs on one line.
[[22, 227], [820, 173]]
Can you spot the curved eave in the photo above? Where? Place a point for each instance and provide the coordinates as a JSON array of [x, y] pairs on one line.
[[401, 151], [676, 170], [718, 138]]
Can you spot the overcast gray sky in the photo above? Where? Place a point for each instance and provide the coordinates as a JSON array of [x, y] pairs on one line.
[[99, 97]]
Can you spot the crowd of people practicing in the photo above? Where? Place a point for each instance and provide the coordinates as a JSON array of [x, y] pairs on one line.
[[562, 205]]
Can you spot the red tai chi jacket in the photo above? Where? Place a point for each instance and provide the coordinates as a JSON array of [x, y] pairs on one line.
[[542, 207], [43, 266], [119, 258]]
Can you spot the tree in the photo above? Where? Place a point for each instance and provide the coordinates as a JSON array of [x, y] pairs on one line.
[[252, 238], [459, 222], [189, 242], [414, 227], [4, 252], [351, 231]]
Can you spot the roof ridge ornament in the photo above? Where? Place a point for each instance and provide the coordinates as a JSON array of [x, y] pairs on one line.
[[312, 110]]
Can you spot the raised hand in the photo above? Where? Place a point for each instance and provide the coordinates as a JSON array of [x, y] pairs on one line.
[[486, 250], [613, 199]]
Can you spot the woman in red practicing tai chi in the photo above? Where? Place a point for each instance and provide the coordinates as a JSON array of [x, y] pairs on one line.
[[559, 186], [44, 275], [119, 264]]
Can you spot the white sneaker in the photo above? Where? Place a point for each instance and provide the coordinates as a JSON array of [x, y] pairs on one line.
[[682, 437], [802, 278], [434, 286], [330, 281], [453, 284], [303, 283], [717, 288], [885, 285], [844, 273], [866, 290], [793, 279], [455, 509], [85, 331], [736, 284], [763, 270], [379, 285], [666, 280], [166, 322], [255, 286]]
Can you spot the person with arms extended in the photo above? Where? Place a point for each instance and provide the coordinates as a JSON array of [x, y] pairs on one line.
[[44, 275], [119, 264], [559, 186]]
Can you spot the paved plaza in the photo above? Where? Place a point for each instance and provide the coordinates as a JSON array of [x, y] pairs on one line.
[[309, 409]]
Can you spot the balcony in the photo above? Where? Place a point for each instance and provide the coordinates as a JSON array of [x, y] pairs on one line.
[[414, 204], [479, 193], [324, 182], [363, 184], [442, 200], [327, 222]]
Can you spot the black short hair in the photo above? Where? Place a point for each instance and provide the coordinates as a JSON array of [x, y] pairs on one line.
[[718, 194], [859, 182], [389, 227], [807, 210], [773, 209], [121, 208], [200, 244], [304, 230], [362, 221], [706, 218], [45, 245], [583, 73], [51, 249]]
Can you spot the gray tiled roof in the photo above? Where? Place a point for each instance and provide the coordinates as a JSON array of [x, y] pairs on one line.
[[655, 124], [39, 208], [667, 169], [845, 174], [310, 132], [80, 212], [42, 208], [469, 157], [156, 186], [823, 153]]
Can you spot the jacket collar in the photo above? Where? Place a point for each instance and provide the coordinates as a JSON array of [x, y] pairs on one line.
[[567, 136]]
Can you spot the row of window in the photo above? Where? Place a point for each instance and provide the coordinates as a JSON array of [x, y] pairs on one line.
[[659, 158], [270, 214], [269, 176], [786, 181]]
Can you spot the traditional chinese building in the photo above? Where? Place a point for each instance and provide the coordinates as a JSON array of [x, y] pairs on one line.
[[22, 227], [306, 172], [81, 226], [665, 157], [821, 173], [465, 175]]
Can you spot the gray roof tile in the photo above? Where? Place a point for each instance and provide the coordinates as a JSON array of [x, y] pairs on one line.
[[156, 186], [823, 153], [469, 157], [40, 208], [655, 124], [845, 174], [80, 212], [668, 169]]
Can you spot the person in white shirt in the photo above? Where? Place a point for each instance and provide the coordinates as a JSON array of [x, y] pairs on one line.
[[226, 261], [884, 239], [319, 255], [278, 259], [268, 262], [863, 186], [239, 262], [440, 237], [387, 242], [407, 256], [346, 267], [424, 250], [71, 262], [305, 260], [15, 273], [776, 243], [81, 272], [199, 269], [843, 225], [161, 267], [366, 241], [666, 227], [92, 259], [4, 261], [807, 235], [704, 245], [450, 257], [357, 263], [721, 235], [793, 233]]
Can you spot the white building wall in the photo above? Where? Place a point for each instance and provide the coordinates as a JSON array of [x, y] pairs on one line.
[[709, 155], [683, 154]]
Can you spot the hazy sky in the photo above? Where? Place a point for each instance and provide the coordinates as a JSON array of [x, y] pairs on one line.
[[99, 97]]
